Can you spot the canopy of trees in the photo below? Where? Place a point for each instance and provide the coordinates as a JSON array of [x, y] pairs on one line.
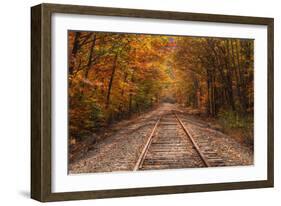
[[114, 75]]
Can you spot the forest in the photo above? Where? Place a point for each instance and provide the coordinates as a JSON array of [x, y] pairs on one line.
[[113, 76]]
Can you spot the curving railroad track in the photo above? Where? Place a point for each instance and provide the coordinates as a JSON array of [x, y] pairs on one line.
[[172, 144]]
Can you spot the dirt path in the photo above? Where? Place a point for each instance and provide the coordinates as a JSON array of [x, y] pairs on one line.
[[121, 149]]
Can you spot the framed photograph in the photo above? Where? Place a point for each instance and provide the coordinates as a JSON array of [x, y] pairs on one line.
[[132, 102]]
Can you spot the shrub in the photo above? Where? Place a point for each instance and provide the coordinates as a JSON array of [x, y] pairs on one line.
[[241, 125]]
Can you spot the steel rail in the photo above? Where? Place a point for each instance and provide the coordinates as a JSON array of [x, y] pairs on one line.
[[145, 148], [193, 141]]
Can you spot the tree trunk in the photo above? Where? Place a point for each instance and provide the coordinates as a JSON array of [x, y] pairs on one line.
[[124, 80], [111, 81], [88, 66], [130, 93], [235, 68], [74, 52], [214, 92], [90, 57], [229, 77], [210, 103], [243, 86]]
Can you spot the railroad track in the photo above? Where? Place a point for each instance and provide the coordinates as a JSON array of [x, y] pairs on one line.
[[171, 145]]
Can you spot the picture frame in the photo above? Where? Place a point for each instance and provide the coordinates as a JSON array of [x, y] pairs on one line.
[[41, 101]]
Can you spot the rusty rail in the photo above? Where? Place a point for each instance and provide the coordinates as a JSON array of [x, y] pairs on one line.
[[204, 159], [146, 146]]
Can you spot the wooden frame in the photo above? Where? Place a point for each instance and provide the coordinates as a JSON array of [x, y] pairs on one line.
[[41, 102]]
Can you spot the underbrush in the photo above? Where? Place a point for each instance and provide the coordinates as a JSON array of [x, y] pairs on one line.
[[239, 126]]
